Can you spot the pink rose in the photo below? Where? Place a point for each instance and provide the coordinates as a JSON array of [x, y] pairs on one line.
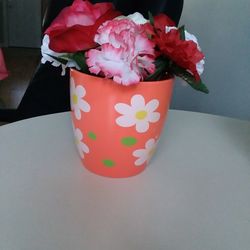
[[126, 54], [75, 27]]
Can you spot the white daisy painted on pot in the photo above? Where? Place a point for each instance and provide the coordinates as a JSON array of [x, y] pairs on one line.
[[81, 146], [138, 114], [145, 154], [78, 104]]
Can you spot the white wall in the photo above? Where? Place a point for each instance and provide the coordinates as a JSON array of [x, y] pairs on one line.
[[223, 31]]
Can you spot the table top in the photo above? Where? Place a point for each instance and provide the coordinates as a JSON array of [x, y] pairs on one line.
[[195, 194]]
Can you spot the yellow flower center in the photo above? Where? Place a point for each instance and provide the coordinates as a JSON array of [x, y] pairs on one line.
[[140, 115], [75, 99]]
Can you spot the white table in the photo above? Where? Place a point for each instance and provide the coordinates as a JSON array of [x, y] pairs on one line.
[[195, 195]]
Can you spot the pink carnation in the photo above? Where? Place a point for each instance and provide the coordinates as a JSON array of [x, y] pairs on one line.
[[126, 54]]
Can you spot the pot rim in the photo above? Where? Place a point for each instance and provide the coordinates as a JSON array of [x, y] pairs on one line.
[[171, 79]]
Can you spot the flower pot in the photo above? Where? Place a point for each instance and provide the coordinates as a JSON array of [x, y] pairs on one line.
[[117, 127]]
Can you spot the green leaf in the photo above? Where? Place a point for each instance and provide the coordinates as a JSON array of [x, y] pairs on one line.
[[80, 59], [161, 65], [182, 32], [62, 60], [189, 78], [151, 18]]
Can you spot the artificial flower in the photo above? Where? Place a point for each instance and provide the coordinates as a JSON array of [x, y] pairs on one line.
[[161, 21], [184, 53], [190, 37], [125, 53], [138, 113], [75, 27], [200, 64], [49, 55], [97, 39], [135, 17]]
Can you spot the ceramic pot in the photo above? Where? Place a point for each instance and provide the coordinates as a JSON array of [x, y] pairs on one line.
[[117, 127]]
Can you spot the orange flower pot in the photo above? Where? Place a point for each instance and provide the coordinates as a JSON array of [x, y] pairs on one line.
[[117, 127]]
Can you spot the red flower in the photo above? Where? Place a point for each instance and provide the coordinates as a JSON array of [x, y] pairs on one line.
[[75, 27], [184, 53], [161, 21]]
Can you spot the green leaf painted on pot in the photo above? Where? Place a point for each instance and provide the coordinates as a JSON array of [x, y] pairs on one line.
[[92, 135], [129, 141], [108, 163]]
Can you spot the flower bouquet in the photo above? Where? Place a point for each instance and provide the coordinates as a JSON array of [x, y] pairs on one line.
[[122, 71]]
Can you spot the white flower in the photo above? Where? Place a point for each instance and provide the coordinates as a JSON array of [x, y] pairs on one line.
[[48, 56], [190, 37], [138, 114], [200, 64], [169, 28], [81, 146], [136, 18], [145, 154], [77, 102]]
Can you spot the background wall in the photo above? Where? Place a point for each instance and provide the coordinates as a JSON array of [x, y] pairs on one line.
[[20, 23], [223, 31], [3, 24], [24, 23]]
